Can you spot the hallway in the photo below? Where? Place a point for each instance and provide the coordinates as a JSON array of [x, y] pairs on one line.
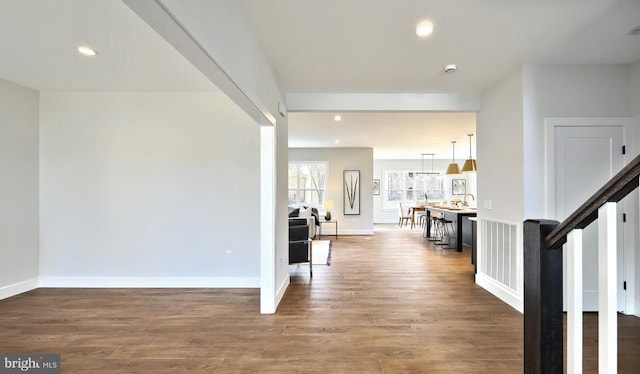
[[393, 303]]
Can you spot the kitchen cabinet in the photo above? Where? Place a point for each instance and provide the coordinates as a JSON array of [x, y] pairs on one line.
[[460, 219]]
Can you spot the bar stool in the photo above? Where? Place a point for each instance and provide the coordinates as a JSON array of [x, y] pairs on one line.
[[439, 233], [433, 235], [447, 232]]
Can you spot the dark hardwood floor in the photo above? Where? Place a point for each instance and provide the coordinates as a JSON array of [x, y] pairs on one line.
[[389, 303]]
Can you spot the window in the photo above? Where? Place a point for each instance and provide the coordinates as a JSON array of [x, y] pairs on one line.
[[307, 183], [410, 186]]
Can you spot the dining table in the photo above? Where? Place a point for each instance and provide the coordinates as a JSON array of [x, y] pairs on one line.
[[413, 210]]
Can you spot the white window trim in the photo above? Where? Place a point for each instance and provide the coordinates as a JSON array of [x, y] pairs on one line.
[[384, 189], [326, 184]]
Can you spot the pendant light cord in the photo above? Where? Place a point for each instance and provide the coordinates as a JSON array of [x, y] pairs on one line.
[[453, 158]]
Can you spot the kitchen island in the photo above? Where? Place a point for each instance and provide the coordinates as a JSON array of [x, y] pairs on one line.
[[460, 219]]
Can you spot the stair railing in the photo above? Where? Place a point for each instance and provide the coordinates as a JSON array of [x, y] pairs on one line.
[[543, 240]]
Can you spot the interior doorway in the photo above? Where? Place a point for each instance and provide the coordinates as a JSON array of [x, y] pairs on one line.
[[586, 153]]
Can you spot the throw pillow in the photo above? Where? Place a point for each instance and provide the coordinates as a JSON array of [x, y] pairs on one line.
[[304, 213], [293, 212]]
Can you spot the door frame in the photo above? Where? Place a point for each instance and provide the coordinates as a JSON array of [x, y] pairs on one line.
[[628, 139]]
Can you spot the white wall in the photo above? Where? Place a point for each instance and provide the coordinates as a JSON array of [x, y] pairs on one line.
[[380, 166], [148, 189], [500, 153], [281, 217], [201, 31], [341, 159], [635, 112], [243, 61], [571, 91], [634, 73], [565, 91], [500, 177], [511, 126], [18, 189]]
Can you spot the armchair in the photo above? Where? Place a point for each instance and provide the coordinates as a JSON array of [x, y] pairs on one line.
[[311, 215], [300, 245]]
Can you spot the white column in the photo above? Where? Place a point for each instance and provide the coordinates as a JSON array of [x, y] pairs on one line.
[[267, 220], [607, 267], [574, 302]]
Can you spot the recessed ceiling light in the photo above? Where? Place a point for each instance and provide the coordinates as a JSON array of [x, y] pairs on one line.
[[451, 68], [337, 141], [337, 118], [87, 51], [424, 29]]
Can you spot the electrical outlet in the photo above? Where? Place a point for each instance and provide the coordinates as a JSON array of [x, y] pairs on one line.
[[227, 255], [488, 204]]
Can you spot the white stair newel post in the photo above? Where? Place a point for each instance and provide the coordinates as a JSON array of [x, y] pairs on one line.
[[607, 278], [574, 302]]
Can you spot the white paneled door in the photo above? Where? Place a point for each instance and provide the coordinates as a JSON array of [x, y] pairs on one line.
[[585, 158]]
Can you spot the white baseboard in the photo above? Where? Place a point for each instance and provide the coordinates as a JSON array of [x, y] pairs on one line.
[[500, 291], [149, 282], [354, 232], [387, 221], [18, 288]]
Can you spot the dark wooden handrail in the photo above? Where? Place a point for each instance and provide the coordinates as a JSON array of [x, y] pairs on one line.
[[615, 190], [543, 239]]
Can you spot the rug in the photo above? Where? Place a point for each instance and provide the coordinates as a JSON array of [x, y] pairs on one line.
[[321, 252]]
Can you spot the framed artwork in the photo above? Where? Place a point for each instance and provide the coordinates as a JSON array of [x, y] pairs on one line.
[[376, 186], [351, 185], [458, 186]]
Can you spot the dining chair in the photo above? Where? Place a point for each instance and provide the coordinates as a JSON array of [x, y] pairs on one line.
[[421, 217], [403, 217]]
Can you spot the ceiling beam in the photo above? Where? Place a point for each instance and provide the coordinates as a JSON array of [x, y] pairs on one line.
[[398, 102], [175, 33]]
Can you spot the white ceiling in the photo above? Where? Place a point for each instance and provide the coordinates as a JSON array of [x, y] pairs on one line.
[[329, 46], [39, 40], [394, 135], [371, 46], [366, 46]]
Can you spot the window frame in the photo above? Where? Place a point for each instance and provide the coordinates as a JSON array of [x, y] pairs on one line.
[[406, 190], [302, 191]]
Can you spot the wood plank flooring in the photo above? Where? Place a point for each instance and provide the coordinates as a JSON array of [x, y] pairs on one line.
[[389, 303]]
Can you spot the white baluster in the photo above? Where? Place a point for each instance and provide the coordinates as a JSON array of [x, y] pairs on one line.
[[607, 277], [574, 302]]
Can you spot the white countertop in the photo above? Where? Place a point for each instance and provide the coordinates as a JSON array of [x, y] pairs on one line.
[[453, 210]]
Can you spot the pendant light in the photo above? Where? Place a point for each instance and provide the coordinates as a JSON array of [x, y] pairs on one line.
[[469, 165], [428, 172], [453, 168]]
